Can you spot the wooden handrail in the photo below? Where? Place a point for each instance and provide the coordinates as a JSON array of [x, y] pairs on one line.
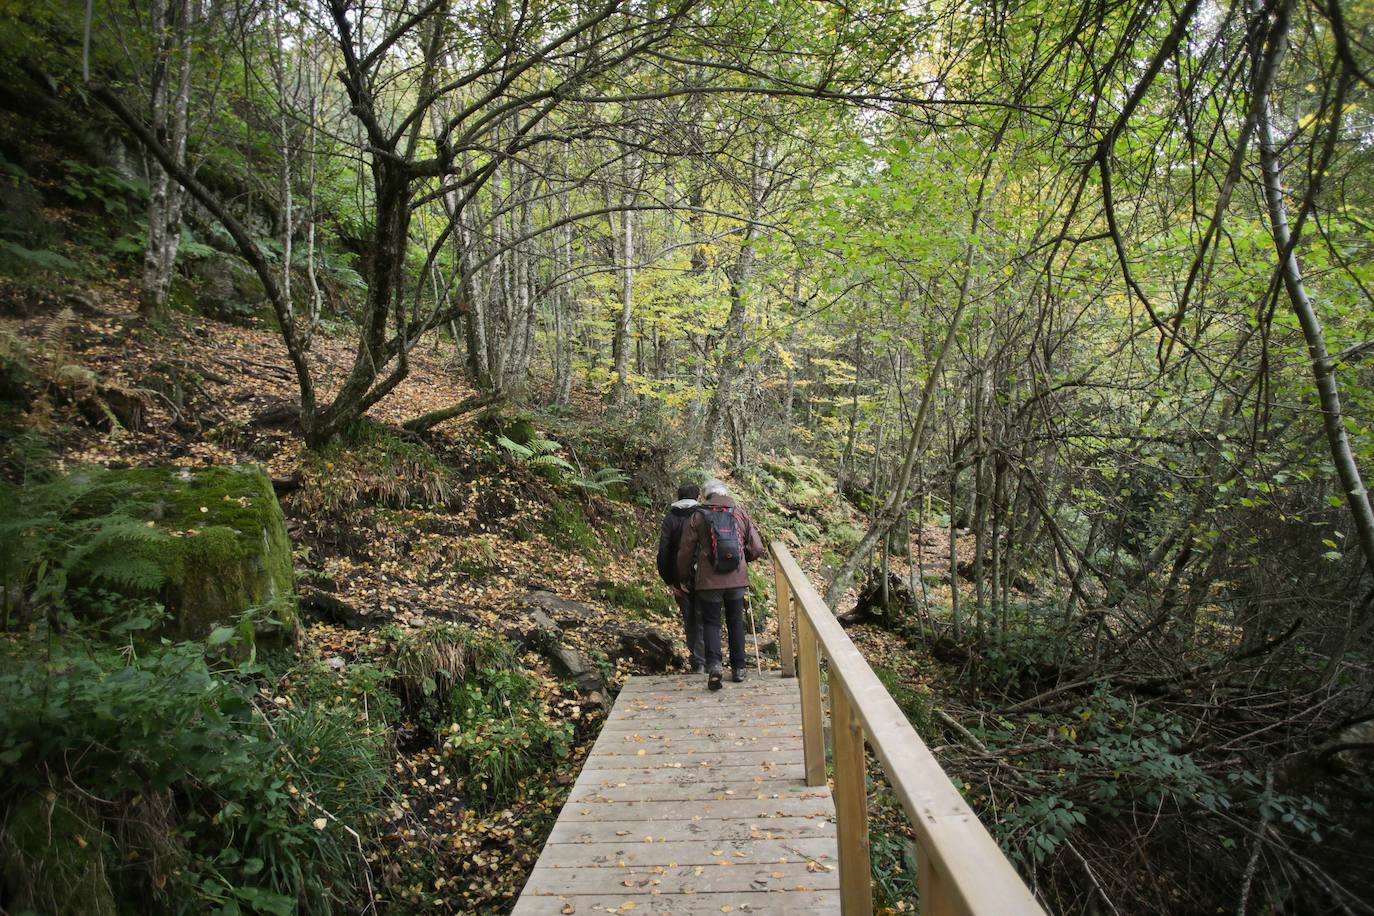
[[961, 869]]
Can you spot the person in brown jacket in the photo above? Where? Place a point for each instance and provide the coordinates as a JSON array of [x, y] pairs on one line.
[[717, 570]]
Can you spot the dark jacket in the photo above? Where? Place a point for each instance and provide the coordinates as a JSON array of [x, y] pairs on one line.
[[670, 537], [692, 553]]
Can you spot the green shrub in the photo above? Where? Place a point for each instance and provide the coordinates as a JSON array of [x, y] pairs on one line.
[[915, 705], [501, 735], [485, 714], [432, 661], [243, 797]]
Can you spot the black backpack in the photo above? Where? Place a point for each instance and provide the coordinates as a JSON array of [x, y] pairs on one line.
[[726, 547]]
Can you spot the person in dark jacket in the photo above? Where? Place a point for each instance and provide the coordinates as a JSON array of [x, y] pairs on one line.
[[715, 589], [669, 539]]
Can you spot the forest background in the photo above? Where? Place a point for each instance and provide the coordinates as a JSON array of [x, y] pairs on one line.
[[1084, 288]]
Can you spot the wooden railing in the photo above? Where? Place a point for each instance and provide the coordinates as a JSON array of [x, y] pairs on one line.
[[960, 868]]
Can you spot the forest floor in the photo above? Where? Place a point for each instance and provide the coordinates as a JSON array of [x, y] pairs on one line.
[[466, 539]]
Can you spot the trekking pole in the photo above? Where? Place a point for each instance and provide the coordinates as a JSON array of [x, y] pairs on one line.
[[753, 631]]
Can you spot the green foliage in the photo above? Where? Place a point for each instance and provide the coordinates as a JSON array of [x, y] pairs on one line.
[[102, 186], [64, 536], [432, 661], [567, 527], [601, 481], [914, 704], [240, 790], [645, 601], [537, 453], [15, 257], [892, 860], [466, 688], [373, 466], [501, 735]]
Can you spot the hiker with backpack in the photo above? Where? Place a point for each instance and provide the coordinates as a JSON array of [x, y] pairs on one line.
[[669, 539], [718, 543]]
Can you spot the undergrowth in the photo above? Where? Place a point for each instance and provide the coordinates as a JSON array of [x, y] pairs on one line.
[[373, 466]]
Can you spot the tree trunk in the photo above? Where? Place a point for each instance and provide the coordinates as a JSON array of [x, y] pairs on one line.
[[1323, 368], [171, 23]]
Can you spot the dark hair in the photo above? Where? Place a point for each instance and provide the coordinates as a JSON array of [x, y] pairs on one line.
[[688, 491]]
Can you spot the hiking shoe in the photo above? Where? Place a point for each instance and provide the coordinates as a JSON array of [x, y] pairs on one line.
[[713, 678], [698, 668], [739, 674]]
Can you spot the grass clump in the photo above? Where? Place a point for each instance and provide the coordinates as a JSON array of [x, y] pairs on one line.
[[373, 466], [486, 715], [644, 601]]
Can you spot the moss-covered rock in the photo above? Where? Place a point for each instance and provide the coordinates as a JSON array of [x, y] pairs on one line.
[[227, 549], [52, 859]]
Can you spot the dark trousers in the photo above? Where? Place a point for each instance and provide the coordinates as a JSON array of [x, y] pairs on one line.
[[709, 604], [691, 629]]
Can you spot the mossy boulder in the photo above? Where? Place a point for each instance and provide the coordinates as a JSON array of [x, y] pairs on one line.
[[226, 551], [52, 859]]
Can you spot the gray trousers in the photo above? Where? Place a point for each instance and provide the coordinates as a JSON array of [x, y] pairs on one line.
[[691, 629]]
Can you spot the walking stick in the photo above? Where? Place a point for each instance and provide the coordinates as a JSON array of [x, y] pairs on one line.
[[753, 631]]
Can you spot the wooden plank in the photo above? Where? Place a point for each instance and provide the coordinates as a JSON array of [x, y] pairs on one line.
[[814, 807], [658, 775], [732, 827], [760, 903], [722, 740], [968, 861], [851, 806], [725, 853], [667, 713], [694, 879], [697, 791], [695, 684], [700, 757], [698, 802], [813, 739]]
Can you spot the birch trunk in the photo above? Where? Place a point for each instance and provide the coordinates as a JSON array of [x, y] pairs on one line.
[[1323, 368], [171, 23]]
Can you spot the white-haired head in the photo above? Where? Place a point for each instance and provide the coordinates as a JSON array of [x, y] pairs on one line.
[[714, 487]]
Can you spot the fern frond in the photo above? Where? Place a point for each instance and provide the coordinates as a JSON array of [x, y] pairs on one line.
[[515, 448], [551, 461], [541, 446]]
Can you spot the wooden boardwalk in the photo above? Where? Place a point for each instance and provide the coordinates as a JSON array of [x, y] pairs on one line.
[[693, 802]]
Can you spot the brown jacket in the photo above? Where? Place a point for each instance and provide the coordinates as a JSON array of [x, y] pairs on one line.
[[696, 544]]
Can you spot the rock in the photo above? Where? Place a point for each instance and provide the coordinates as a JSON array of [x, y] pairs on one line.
[[278, 414], [225, 287], [646, 647], [575, 664], [336, 662], [21, 206], [327, 608], [224, 548], [566, 612], [542, 623], [52, 859]]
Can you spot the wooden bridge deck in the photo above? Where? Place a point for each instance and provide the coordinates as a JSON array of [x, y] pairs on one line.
[[693, 802]]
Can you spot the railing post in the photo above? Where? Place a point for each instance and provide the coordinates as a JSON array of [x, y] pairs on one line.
[[787, 653], [851, 803], [935, 899], [813, 737]]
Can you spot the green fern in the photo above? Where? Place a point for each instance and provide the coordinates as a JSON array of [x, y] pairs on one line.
[[83, 528], [602, 480]]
